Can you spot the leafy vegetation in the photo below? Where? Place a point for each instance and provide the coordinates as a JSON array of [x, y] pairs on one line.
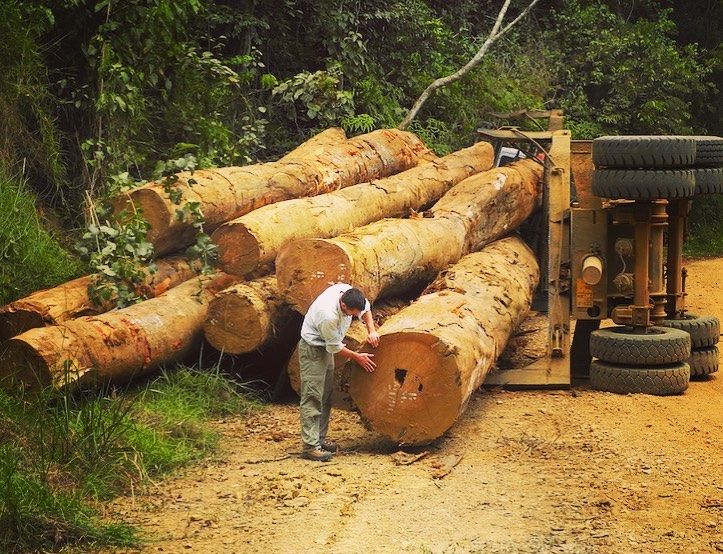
[[705, 236], [101, 93], [60, 453], [612, 72], [97, 96], [30, 257]]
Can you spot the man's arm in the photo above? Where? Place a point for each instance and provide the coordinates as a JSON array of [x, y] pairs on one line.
[[372, 335], [362, 358], [328, 332]]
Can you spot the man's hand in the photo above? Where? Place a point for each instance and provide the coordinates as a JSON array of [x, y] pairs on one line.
[[365, 360], [373, 339]]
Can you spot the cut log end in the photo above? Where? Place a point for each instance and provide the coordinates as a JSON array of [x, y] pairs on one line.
[[19, 321], [23, 367], [238, 249], [156, 211], [302, 277], [415, 375], [33, 367], [235, 324]]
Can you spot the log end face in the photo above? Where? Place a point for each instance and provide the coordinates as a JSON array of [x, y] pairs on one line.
[[484, 156], [18, 320], [238, 249], [415, 394], [23, 368], [305, 268], [235, 325], [165, 232]]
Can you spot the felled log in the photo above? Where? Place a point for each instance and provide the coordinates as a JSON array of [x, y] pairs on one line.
[[391, 256], [227, 193], [434, 354], [316, 144], [71, 300], [245, 316], [254, 239], [355, 338], [114, 347]]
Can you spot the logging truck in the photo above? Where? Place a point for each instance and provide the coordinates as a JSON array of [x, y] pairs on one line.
[[610, 206]]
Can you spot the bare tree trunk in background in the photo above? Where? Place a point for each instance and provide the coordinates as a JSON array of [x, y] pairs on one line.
[[494, 35]]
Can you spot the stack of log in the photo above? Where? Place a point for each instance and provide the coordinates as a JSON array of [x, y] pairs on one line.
[[378, 211], [60, 337]]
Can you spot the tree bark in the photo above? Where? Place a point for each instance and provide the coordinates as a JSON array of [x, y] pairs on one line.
[[230, 192], [254, 239], [355, 338], [114, 347], [434, 354], [245, 316], [392, 256], [71, 300], [317, 144]]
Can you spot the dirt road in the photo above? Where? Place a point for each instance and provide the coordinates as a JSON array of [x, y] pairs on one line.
[[537, 471]]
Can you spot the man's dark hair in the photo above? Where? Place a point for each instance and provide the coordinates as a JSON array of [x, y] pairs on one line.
[[353, 299]]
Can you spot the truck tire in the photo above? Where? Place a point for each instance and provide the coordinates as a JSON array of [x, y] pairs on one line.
[[703, 361], [643, 184], [659, 346], [644, 151], [704, 330], [708, 150], [660, 381], [708, 180]]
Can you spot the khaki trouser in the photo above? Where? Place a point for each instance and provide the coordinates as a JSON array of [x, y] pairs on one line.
[[317, 379]]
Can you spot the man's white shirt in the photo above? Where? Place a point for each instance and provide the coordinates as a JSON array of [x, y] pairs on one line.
[[325, 324]]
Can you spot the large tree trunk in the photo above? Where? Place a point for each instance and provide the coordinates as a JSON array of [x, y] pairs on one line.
[[434, 354], [114, 347], [71, 300], [317, 144], [391, 256], [254, 239], [230, 192], [355, 338], [245, 316]]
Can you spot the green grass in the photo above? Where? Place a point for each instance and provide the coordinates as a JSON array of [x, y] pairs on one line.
[[175, 409], [705, 226], [62, 454], [30, 257]]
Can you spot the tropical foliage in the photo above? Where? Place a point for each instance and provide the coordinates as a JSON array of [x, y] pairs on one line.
[[98, 95]]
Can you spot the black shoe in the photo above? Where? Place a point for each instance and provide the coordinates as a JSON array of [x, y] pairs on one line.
[[317, 454]]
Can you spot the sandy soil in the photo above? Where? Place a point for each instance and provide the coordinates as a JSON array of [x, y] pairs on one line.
[[521, 472]]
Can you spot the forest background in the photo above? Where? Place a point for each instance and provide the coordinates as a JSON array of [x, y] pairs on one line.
[[97, 96]]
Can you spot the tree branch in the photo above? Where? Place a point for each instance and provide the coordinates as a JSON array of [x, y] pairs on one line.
[[493, 36]]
